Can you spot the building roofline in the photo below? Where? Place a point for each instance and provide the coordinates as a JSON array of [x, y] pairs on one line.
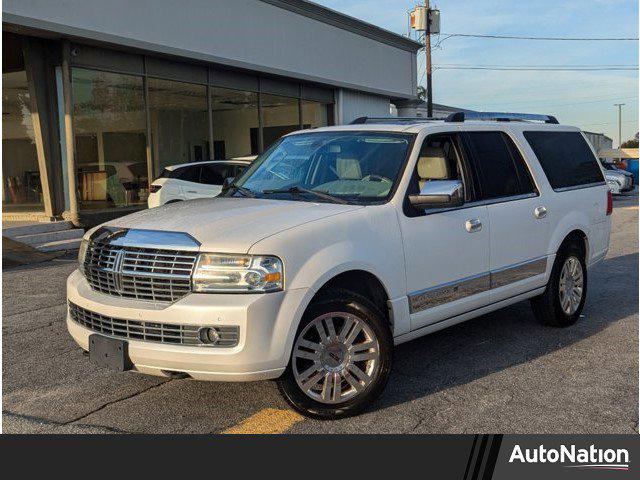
[[346, 22], [598, 133]]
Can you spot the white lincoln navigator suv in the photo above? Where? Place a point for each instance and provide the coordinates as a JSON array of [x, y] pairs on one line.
[[338, 243]]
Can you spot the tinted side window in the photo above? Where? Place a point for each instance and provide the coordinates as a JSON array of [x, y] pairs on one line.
[[524, 176], [215, 174], [496, 169], [565, 157], [166, 174], [188, 174]]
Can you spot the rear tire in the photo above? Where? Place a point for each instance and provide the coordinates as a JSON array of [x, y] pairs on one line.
[[341, 358], [563, 300]]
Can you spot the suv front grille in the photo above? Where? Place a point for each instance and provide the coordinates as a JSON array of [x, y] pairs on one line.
[[140, 273], [228, 335]]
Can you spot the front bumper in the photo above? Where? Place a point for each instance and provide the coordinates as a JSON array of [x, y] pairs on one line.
[[267, 324]]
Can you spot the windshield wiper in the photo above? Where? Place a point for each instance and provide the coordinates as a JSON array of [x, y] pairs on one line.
[[245, 191], [298, 190]]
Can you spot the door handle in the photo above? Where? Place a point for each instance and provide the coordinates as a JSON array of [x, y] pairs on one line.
[[191, 191], [473, 225], [540, 212]]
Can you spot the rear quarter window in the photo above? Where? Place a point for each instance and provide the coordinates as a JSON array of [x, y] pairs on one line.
[[566, 158], [188, 174]]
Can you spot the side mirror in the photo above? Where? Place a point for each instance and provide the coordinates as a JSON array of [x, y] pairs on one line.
[[439, 194]]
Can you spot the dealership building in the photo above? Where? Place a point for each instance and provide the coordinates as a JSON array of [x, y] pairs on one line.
[[99, 96]]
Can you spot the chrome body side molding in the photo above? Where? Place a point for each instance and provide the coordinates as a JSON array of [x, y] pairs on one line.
[[466, 287], [520, 271], [449, 292]]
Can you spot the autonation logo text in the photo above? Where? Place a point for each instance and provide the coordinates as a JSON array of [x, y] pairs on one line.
[[591, 458]]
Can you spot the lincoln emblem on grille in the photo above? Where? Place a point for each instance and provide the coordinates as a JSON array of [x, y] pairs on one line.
[[117, 270]]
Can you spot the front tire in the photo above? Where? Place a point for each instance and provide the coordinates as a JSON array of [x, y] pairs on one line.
[[563, 300], [341, 357]]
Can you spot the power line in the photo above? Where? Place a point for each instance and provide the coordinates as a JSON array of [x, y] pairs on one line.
[[535, 104], [553, 39], [535, 66], [607, 123], [541, 69]]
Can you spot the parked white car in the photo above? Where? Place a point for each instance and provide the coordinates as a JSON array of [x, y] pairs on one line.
[[340, 242], [194, 180], [619, 181]]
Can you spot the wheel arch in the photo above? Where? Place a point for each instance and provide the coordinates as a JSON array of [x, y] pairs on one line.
[[573, 226], [362, 282], [578, 237], [354, 277]]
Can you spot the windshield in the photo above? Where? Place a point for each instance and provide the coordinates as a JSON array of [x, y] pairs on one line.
[[353, 167]]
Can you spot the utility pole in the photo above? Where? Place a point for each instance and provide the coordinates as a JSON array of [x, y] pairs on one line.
[[619, 105], [427, 51]]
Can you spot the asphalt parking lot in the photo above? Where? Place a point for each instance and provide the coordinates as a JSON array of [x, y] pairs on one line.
[[502, 372]]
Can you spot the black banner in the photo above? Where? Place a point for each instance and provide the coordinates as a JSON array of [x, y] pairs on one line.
[[455, 457]]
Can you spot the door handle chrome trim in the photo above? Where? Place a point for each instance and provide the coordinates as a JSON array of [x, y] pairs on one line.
[[540, 212], [473, 225]]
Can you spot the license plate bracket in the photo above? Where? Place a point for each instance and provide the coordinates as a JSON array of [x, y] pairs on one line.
[[110, 353]]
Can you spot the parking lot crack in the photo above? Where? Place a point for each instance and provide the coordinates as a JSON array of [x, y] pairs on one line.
[[105, 405], [28, 330], [44, 421], [34, 310]]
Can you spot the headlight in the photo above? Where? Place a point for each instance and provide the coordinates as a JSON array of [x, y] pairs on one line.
[[82, 253], [237, 273]]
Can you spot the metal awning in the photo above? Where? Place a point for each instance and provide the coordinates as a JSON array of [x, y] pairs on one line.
[[618, 153]]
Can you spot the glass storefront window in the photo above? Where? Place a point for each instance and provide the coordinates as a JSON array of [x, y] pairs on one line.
[[22, 190], [110, 139], [179, 123], [235, 123], [280, 115], [315, 114]]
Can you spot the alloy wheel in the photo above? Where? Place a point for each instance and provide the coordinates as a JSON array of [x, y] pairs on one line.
[[571, 285], [335, 357]]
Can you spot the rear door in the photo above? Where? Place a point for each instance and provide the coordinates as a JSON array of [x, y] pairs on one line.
[[518, 216]]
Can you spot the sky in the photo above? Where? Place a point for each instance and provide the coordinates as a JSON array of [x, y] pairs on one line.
[[582, 98]]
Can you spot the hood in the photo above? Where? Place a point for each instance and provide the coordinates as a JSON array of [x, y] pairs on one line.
[[230, 225]]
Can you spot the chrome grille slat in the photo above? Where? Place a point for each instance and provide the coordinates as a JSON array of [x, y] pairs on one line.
[[151, 331], [144, 274]]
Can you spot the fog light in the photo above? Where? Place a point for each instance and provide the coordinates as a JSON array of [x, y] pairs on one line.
[[208, 335]]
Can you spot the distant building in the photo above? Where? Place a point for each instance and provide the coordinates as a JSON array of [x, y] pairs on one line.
[[97, 98], [600, 142], [418, 108]]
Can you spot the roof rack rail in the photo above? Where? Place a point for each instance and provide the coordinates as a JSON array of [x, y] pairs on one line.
[[458, 117], [392, 120]]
